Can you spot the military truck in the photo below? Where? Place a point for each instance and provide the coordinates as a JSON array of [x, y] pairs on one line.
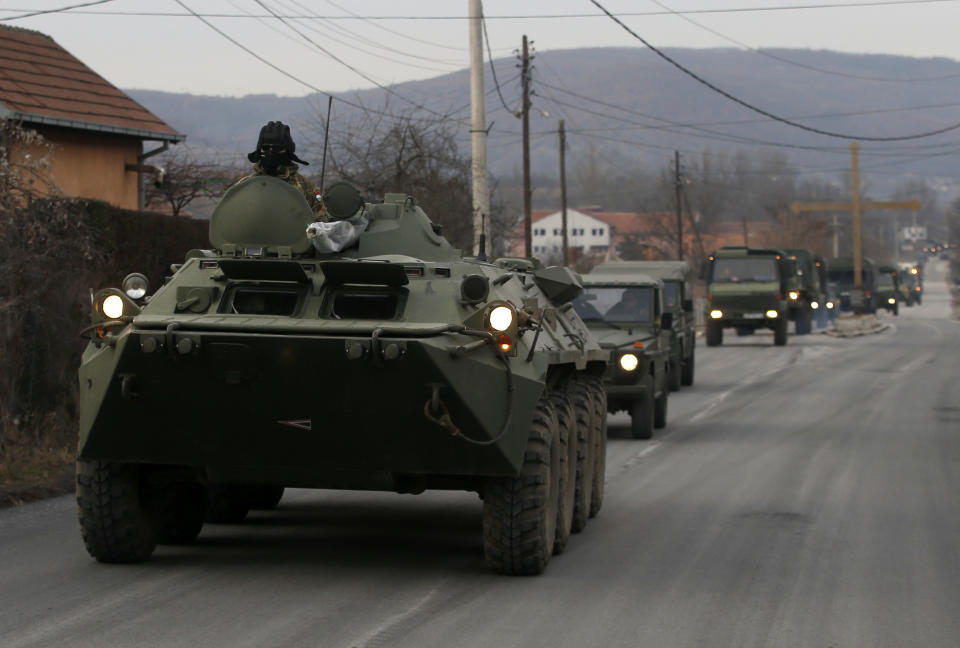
[[677, 300], [396, 365], [624, 309], [888, 294], [810, 295], [747, 290], [852, 298]]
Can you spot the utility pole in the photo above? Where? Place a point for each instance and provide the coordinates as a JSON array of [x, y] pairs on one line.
[[478, 125], [563, 192], [525, 113], [676, 186], [855, 206]]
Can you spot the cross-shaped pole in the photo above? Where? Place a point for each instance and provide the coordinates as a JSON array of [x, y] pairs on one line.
[[855, 206]]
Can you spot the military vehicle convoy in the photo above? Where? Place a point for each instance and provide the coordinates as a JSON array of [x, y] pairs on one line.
[[394, 365], [747, 289], [852, 298], [625, 311]]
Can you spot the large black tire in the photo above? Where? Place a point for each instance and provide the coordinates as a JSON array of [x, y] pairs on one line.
[[520, 513], [686, 378], [584, 402], [660, 410], [567, 434], [641, 412], [228, 504], [116, 522], [599, 397], [780, 332], [265, 497], [714, 333], [673, 375], [180, 511]]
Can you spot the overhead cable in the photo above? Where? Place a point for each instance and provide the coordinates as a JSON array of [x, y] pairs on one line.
[[761, 111]]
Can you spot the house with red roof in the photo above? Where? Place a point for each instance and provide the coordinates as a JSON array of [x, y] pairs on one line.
[[97, 133]]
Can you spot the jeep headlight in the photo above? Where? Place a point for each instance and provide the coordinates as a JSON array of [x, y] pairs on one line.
[[629, 362], [500, 318], [891, 300], [830, 304], [112, 306]]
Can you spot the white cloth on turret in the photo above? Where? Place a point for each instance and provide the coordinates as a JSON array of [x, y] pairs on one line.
[[336, 235]]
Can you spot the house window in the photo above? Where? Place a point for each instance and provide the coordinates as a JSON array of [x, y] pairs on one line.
[[600, 231]]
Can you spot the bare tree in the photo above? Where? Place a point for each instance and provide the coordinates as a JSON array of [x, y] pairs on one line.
[[185, 178]]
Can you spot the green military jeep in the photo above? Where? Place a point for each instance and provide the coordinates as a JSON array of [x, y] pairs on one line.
[[624, 310], [810, 295], [747, 290], [859, 299], [677, 300], [888, 294]]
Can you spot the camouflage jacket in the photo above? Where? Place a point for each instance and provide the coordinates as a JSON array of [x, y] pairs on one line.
[[308, 189]]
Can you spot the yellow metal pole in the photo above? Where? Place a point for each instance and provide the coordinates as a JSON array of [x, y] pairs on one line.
[[855, 179]]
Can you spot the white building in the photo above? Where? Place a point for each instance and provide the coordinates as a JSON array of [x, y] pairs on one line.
[[583, 231]]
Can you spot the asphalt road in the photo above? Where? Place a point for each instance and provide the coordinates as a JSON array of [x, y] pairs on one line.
[[804, 496]]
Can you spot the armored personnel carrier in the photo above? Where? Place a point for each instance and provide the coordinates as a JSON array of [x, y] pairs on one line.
[[624, 308], [395, 365]]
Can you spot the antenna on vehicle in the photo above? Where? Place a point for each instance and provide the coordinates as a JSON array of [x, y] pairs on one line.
[[482, 252], [326, 137]]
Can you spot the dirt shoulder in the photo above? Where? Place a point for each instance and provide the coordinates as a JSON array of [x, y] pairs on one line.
[[36, 476]]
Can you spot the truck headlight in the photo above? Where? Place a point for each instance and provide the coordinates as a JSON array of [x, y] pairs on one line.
[[629, 362], [815, 305], [716, 313], [830, 304], [891, 300], [793, 295], [772, 314]]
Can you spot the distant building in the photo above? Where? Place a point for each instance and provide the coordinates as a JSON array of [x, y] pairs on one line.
[[97, 132]]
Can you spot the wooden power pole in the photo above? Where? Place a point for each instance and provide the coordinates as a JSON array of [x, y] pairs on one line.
[[855, 206], [525, 113], [563, 192], [676, 186]]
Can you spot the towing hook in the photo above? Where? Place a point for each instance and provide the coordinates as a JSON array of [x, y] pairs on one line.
[[435, 410]]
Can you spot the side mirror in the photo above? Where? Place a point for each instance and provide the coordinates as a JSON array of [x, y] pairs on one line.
[[687, 304], [666, 320]]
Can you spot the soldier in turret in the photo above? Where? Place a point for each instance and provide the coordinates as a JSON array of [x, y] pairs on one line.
[[274, 156]]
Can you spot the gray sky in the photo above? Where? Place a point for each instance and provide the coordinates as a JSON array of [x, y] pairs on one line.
[[179, 53]]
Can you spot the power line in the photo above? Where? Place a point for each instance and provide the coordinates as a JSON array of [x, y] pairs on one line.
[[493, 68], [287, 74], [761, 111], [804, 66], [796, 7], [30, 14]]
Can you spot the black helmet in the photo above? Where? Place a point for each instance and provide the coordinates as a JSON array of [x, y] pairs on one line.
[[278, 134]]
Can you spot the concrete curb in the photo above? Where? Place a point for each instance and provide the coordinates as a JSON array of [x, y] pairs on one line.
[[856, 325]]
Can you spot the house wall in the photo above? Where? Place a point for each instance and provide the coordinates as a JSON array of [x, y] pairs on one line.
[[547, 237], [92, 165]]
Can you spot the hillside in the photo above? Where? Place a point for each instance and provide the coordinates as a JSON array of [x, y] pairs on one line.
[[652, 100]]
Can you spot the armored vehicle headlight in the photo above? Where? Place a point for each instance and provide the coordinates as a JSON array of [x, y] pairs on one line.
[[135, 285], [793, 295], [891, 300], [772, 314], [716, 313], [629, 362], [815, 305], [112, 306], [500, 318]]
